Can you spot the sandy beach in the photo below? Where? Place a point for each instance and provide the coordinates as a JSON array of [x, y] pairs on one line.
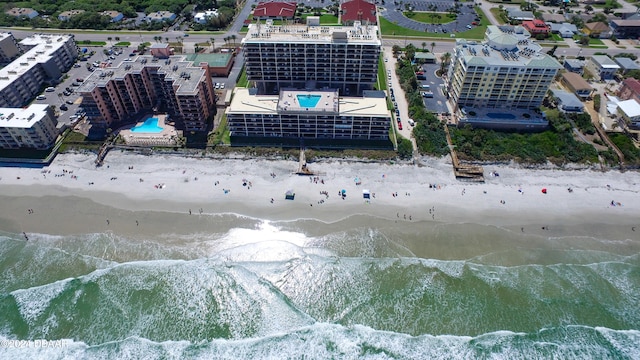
[[175, 193]]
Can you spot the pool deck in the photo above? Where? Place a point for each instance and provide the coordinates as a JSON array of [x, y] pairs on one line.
[[288, 100], [167, 137]]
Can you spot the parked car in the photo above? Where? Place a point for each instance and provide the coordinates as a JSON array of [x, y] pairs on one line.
[[76, 65], [79, 79], [41, 97], [75, 84], [399, 125], [64, 107], [69, 102], [411, 122], [50, 89]]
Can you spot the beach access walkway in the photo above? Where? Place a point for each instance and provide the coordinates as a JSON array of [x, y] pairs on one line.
[[463, 172]]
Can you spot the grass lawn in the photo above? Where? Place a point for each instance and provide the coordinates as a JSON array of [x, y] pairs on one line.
[[382, 75], [93, 43], [496, 14], [430, 17], [325, 19], [243, 81], [123, 43], [222, 134], [557, 37], [593, 41]]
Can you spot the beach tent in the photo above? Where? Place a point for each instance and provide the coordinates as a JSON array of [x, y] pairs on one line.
[[290, 195], [366, 194]]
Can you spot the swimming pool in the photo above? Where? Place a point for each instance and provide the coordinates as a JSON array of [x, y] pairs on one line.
[[308, 101], [148, 126], [500, 116]]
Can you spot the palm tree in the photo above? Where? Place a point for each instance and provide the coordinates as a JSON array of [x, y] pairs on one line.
[[424, 45], [433, 45], [167, 39], [234, 37], [445, 59], [212, 41]]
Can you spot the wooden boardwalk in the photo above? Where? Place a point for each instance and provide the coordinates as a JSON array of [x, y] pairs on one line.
[[463, 172]]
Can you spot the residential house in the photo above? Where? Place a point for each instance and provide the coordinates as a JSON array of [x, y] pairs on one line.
[[66, 15], [577, 85], [203, 17], [28, 13], [358, 10], [553, 18], [565, 30], [602, 67], [278, 10], [629, 110], [626, 29], [161, 16], [630, 89], [626, 64], [536, 27], [115, 16], [568, 102], [597, 30], [514, 13], [574, 65]]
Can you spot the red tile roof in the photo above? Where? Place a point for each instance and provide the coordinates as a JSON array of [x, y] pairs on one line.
[[633, 84], [535, 26], [275, 9], [359, 10]]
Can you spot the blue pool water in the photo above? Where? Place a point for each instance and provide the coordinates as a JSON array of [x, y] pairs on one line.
[[149, 126], [501, 116], [309, 101]]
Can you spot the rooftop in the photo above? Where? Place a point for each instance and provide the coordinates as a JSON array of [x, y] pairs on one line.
[[185, 75], [630, 107], [275, 9], [245, 102], [605, 62], [359, 10], [505, 46], [567, 99], [213, 60], [356, 34], [22, 117], [576, 81], [43, 46]]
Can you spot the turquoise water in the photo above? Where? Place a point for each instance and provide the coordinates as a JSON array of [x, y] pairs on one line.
[[252, 289], [309, 101], [148, 126], [500, 116]]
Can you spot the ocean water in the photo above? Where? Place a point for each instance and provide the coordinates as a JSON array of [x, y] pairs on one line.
[[254, 289]]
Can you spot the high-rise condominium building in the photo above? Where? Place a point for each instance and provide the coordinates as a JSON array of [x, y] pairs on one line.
[[120, 94], [506, 71], [312, 57]]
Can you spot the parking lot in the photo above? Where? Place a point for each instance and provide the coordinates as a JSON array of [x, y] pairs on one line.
[[437, 103], [394, 13], [63, 96]]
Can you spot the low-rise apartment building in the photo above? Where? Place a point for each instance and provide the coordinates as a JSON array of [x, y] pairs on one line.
[[46, 58], [32, 127], [8, 48]]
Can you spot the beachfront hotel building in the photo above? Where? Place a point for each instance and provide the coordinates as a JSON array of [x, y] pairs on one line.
[[121, 94], [46, 59], [319, 118], [311, 57], [32, 127], [499, 79]]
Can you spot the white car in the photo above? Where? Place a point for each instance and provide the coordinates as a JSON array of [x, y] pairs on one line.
[[217, 86], [41, 97], [221, 85]]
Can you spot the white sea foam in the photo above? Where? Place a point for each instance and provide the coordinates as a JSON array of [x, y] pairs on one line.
[[34, 301]]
